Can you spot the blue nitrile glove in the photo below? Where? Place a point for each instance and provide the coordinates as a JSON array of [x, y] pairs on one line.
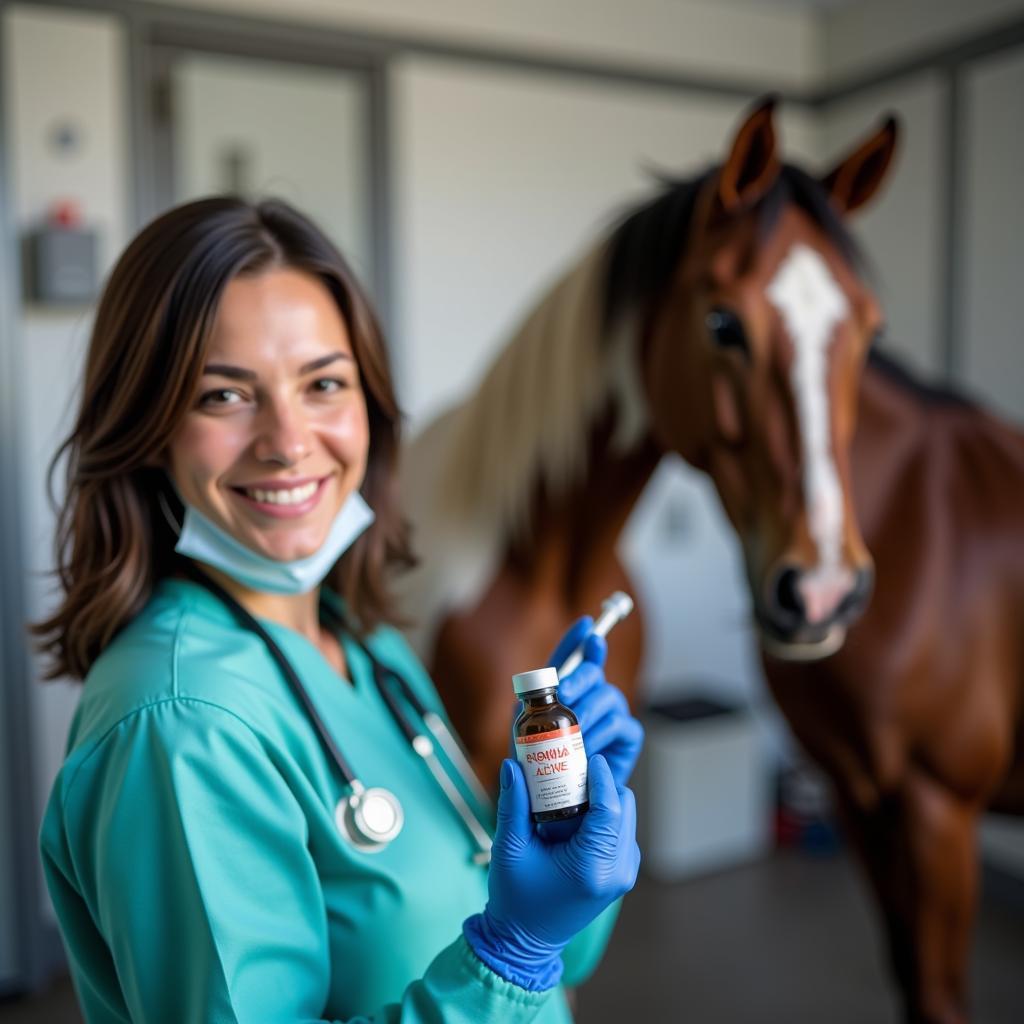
[[541, 894], [608, 727]]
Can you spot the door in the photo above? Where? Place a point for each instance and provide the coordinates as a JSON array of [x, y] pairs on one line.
[[260, 127]]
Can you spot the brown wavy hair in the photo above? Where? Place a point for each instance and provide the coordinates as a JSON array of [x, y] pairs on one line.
[[146, 355]]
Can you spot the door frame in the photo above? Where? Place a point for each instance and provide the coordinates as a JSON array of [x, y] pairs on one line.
[[157, 43]]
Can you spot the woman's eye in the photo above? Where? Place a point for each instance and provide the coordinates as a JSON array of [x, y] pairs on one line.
[[329, 385], [725, 329], [220, 396]]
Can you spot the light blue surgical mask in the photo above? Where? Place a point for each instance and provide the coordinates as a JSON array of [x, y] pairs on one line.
[[203, 540]]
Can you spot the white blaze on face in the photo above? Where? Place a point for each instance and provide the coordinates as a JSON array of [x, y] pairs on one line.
[[811, 304]]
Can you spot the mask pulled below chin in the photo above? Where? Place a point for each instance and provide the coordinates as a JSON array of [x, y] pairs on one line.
[[206, 542]]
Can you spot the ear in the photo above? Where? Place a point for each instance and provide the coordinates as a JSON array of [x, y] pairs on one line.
[[752, 166], [857, 178]]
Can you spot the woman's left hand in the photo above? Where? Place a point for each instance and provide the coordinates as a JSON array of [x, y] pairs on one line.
[[606, 723]]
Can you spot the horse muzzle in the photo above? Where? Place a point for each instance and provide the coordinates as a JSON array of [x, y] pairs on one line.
[[803, 614]]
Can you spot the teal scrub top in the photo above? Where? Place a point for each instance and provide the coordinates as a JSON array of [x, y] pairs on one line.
[[190, 848]]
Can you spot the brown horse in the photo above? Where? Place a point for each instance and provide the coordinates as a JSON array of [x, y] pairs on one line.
[[729, 321]]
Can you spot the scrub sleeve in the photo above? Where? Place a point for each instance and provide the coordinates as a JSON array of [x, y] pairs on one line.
[[211, 906]]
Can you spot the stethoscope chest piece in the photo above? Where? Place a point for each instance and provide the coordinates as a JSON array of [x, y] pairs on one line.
[[369, 818]]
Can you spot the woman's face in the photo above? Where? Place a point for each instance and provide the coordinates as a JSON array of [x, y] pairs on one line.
[[277, 435]]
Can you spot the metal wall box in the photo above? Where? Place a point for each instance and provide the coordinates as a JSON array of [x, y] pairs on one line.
[[62, 266]]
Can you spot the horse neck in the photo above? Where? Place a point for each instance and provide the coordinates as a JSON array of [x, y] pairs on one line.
[[558, 421], [891, 427], [574, 533], [899, 421]]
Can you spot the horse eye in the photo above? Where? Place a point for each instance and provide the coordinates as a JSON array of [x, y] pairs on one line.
[[726, 330]]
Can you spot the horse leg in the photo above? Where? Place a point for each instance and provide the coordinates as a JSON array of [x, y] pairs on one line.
[[942, 844], [919, 849]]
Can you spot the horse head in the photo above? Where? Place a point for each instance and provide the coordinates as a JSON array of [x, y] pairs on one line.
[[753, 358]]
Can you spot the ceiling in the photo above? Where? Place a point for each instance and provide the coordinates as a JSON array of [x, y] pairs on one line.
[[808, 5]]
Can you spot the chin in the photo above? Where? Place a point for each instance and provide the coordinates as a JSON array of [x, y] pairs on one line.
[[291, 552], [809, 645], [284, 545]]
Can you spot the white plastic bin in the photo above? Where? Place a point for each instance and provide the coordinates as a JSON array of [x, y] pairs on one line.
[[704, 796]]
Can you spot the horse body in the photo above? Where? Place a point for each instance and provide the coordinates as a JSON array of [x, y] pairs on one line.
[[918, 719], [727, 322], [948, 622]]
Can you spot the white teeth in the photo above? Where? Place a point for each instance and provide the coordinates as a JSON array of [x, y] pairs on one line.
[[294, 496]]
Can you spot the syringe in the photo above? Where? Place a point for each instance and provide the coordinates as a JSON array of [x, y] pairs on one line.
[[613, 610]]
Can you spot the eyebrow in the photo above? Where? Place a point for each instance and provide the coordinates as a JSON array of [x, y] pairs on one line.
[[237, 373]]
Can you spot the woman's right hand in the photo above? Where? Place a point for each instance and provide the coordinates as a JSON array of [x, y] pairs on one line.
[[541, 894]]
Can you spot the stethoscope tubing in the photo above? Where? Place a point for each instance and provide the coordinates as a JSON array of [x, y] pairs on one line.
[[420, 743], [251, 623], [424, 747]]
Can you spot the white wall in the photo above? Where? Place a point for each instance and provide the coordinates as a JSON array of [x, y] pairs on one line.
[[902, 230], [992, 329], [10, 960], [67, 67], [302, 132], [89, 94], [749, 43], [873, 34]]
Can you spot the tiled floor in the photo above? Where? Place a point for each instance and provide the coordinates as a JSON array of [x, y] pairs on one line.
[[787, 940]]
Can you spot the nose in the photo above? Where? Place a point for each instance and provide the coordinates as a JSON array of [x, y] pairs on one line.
[[283, 435], [798, 598]]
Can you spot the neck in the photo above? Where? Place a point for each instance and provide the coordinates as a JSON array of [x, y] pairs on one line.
[[602, 506], [299, 612], [891, 427], [571, 537]]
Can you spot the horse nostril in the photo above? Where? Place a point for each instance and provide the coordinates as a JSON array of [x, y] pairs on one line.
[[786, 593], [857, 600], [865, 585]]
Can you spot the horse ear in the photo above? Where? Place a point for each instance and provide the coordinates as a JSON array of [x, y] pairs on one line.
[[752, 166], [857, 178]]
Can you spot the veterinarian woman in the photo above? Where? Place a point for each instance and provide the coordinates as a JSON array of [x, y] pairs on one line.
[[250, 824]]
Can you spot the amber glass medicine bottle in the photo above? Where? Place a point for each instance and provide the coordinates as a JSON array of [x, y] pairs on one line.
[[549, 746]]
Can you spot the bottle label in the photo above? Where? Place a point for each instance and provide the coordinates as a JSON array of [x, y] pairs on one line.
[[555, 766]]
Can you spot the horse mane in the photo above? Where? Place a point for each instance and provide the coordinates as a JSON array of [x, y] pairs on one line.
[[646, 246], [527, 423], [471, 476]]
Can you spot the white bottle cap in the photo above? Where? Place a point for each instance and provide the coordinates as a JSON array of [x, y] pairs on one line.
[[538, 679]]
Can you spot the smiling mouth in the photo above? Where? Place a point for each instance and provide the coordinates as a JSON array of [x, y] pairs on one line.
[[282, 496], [297, 498]]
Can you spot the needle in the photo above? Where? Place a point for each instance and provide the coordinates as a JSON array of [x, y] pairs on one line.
[[613, 610]]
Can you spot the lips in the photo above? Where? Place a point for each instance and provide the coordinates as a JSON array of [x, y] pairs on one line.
[[281, 498]]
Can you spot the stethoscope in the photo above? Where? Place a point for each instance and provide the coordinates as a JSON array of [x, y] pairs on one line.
[[369, 818]]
